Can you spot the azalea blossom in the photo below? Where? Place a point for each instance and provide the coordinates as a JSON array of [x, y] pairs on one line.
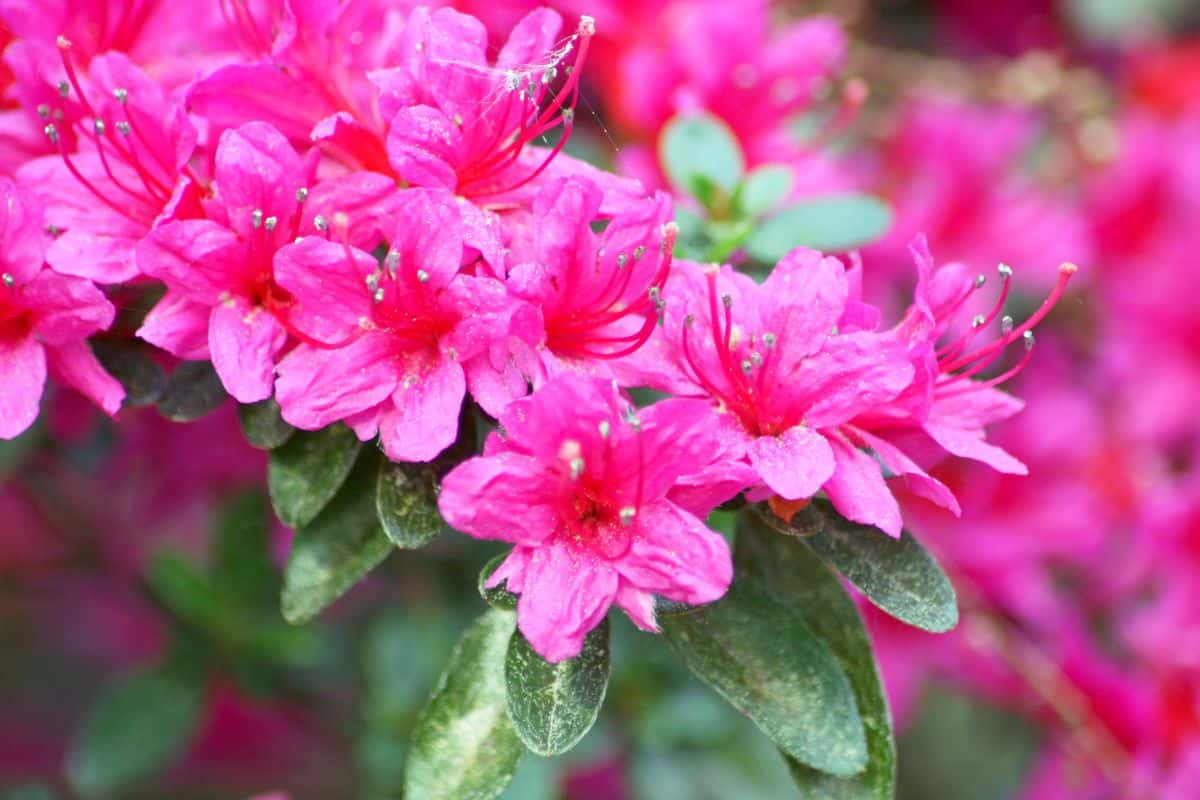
[[223, 301], [385, 344], [584, 488], [45, 319]]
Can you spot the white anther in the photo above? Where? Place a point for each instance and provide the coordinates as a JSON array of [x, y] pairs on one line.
[[422, 276], [256, 218], [122, 95], [270, 222], [977, 320], [605, 429], [301, 194], [1005, 271], [1028, 337], [1006, 324], [627, 515]]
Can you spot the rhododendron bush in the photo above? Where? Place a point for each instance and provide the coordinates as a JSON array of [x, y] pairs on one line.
[[721, 370]]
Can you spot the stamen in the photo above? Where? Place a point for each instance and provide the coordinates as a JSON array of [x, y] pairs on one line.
[[320, 223], [422, 276], [577, 466], [301, 194], [270, 222], [256, 218], [605, 429], [9, 280], [627, 515]]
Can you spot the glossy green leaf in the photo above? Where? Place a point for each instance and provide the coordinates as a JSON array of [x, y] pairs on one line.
[[833, 224], [192, 391], [136, 729], [699, 153], [263, 425], [795, 576], [764, 189], [241, 563], [406, 499], [335, 550], [465, 747], [304, 474], [130, 362], [553, 706], [765, 661], [897, 575], [497, 596]]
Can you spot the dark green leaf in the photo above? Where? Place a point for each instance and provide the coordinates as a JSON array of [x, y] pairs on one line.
[[29, 791], [796, 577], [406, 499], [763, 189], [304, 474], [242, 568], [130, 362], [192, 391], [553, 706], [699, 152], [335, 550], [833, 224], [761, 657], [136, 729], [898, 575], [263, 425], [498, 596], [465, 747], [185, 591]]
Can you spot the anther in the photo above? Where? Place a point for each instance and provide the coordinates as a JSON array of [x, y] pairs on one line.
[[392, 260], [587, 26], [64, 89], [320, 223], [549, 75], [1006, 324], [51, 133], [256, 218], [123, 128], [977, 320], [631, 417], [980, 280], [638, 252], [121, 95], [1067, 268], [1028, 337], [577, 465], [627, 514], [605, 428], [689, 320], [747, 367], [769, 340], [727, 300], [568, 116], [1005, 271], [301, 194], [9, 280], [622, 259], [654, 293], [270, 222], [756, 359], [372, 281], [99, 127], [422, 276], [43, 111], [378, 295]]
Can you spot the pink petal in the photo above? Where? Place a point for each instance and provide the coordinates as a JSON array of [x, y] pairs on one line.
[[368, 199], [425, 419], [509, 497], [199, 257], [239, 92], [104, 259], [67, 308], [638, 605], [75, 365], [916, 478], [531, 39], [564, 595], [428, 235], [179, 326], [795, 464], [23, 376], [802, 299], [425, 147], [328, 286], [257, 170], [22, 231], [674, 555], [317, 387], [971, 444], [244, 341], [852, 374], [859, 492]]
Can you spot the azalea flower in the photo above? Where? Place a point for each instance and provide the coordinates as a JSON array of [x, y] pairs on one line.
[[583, 486], [45, 319], [385, 344], [222, 300], [784, 379]]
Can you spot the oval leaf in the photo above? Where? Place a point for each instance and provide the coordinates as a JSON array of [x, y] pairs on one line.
[[699, 152], [764, 189], [464, 746], [192, 391], [137, 729], [130, 362], [406, 500], [832, 224], [760, 656], [553, 706], [897, 575], [797, 578], [497, 596], [335, 550], [263, 425], [304, 474]]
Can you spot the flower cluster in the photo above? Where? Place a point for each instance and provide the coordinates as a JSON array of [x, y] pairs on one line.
[[355, 211]]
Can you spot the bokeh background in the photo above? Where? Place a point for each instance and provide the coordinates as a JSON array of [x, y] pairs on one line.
[[138, 559]]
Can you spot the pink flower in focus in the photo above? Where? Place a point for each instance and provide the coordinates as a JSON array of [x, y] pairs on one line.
[[595, 295], [45, 319], [785, 380], [123, 146], [386, 344], [222, 298], [582, 485]]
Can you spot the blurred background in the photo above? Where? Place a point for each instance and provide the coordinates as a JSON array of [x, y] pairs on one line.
[[139, 562]]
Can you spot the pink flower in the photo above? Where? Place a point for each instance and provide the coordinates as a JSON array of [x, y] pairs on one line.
[[45, 319], [594, 297], [784, 379], [582, 485], [123, 147], [222, 300], [386, 344]]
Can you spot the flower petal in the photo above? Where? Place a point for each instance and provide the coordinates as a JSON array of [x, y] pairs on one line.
[[75, 365], [794, 464], [243, 341], [317, 387], [859, 492], [23, 376], [508, 496], [674, 555], [425, 419], [564, 595]]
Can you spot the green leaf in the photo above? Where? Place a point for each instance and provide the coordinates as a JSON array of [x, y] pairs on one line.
[[13, 452], [130, 362], [192, 391], [897, 575], [242, 568], [834, 223], [763, 189], [304, 474], [796, 577], [29, 791], [465, 747], [406, 499], [553, 706], [263, 425], [765, 661], [497, 596], [700, 152], [137, 729], [335, 550], [186, 592]]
